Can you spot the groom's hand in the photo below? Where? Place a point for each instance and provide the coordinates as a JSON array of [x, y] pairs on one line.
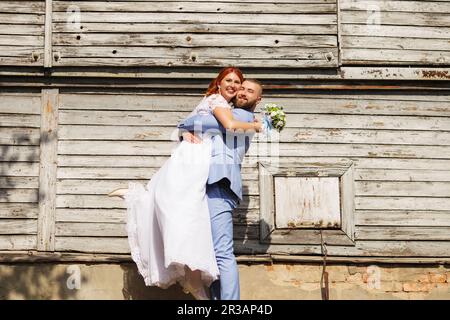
[[190, 137]]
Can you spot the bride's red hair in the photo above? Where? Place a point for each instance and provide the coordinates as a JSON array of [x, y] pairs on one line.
[[213, 86]]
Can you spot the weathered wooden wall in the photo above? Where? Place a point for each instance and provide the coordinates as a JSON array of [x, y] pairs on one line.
[[20, 148], [395, 32], [288, 33], [22, 33], [400, 144], [119, 75], [295, 33]]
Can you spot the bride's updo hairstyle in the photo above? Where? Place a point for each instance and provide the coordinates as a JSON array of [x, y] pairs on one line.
[[214, 85]]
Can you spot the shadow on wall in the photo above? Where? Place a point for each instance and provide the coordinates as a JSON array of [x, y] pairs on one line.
[[9, 157], [134, 287], [251, 232], [43, 281]]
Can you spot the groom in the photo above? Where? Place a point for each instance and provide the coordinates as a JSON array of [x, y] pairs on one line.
[[224, 186]]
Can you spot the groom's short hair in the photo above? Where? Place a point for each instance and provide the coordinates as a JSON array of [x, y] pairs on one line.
[[256, 82]]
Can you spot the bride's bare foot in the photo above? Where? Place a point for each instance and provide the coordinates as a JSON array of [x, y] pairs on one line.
[[118, 193]]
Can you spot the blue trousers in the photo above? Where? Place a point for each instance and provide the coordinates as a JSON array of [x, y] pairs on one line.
[[221, 202]]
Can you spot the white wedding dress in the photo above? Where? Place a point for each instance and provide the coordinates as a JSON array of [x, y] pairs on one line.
[[168, 221]]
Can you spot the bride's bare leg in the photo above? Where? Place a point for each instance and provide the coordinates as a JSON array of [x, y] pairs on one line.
[[118, 193], [195, 284]]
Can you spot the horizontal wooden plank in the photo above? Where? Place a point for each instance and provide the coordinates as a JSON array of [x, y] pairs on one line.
[[402, 233], [200, 54], [22, 18], [83, 229], [92, 244], [402, 218], [289, 237], [19, 169], [440, 19], [395, 6], [192, 40], [19, 195], [365, 136], [91, 215], [293, 120], [105, 173], [173, 62], [20, 104], [401, 203], [17, 242], [258, 149], [402, 189], [386, 104], [235, 28], [36, 7], [20, 120], [240, 216], [363, 248], [132, 161], [395, 31], [110, 161], [196, 7], [19, 210], [110, 132], [20, 136], [172, 86], [124, 173], [19, 61], [183, 98], [395, 43], [402, 175], [345, 72], [25, 40], [395, 73], [19, 182], [24, 53], [91, 229], [103, 202], [24, 29], [18, 256], [78, 186], [139, 17], [400, 56], [72, 132], [374, 174], [18, 226], [127, 118]]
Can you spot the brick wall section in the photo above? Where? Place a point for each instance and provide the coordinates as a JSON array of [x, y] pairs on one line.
[[348, 282], [258, 281]]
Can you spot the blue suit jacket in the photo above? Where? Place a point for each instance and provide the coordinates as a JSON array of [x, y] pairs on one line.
[[228, 148]]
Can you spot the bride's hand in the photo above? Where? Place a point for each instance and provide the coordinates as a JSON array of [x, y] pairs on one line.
[[190, 137], [258, 125]]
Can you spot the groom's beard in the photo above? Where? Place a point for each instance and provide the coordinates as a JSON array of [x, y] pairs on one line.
[[244, 104]]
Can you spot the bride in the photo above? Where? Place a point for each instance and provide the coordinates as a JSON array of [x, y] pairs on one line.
[[168, 221]]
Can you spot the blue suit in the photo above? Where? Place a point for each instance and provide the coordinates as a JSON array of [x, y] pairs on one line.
[[224, 192]]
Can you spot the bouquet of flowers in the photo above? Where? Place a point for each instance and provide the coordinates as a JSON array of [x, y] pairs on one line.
[[273, 116]]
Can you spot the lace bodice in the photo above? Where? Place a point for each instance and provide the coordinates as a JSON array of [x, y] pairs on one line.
[[205, 107], [209, 103]]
